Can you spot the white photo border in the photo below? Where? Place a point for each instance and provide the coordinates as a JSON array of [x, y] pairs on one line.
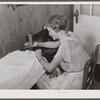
[[51, 94]]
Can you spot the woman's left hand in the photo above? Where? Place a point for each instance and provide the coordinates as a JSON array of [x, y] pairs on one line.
[[38, 53]]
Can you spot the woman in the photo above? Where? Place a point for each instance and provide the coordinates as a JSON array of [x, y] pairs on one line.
[[70, 56]]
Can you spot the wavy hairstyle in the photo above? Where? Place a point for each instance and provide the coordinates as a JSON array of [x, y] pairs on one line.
[[57, 21]]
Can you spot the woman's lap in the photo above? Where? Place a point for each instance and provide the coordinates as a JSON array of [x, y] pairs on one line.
[[49, 83], [63, 81]]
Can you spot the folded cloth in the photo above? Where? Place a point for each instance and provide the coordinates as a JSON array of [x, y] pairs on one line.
[[19, 70]]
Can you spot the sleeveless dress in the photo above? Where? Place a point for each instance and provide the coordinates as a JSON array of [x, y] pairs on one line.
[[75, 57]]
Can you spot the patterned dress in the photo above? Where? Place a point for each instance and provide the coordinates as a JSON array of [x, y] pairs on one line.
[[74, 59]]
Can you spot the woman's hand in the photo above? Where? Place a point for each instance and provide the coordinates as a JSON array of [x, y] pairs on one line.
[[26, 45], [38, 54], [54, 74]]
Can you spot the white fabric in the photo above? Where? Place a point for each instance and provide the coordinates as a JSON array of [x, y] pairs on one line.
[[69, 80], [66, 80], [19, 70]]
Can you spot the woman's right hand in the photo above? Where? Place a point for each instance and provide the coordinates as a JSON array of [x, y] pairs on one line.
[[54, 74]]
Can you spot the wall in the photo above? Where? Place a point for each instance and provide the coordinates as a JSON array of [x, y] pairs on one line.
[[15, 24]]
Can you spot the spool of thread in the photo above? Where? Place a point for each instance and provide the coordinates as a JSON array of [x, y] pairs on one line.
[[30, 40]]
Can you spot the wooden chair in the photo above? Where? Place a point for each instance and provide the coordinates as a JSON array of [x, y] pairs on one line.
[[89, 71]]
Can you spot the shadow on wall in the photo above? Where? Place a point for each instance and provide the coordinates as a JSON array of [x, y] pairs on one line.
[[90, 44]]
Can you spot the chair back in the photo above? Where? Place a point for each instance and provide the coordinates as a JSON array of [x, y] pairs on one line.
[[89, 70]]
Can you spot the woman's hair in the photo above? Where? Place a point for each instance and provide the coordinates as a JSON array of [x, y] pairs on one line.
[[57, 21]]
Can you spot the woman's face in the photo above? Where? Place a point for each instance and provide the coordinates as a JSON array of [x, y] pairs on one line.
[[52, 33]]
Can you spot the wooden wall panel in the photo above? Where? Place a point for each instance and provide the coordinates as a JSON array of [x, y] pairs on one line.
[[15, 24], [10, 29]]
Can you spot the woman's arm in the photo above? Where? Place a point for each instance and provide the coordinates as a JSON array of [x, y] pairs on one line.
[[50, 67], [48, 44], [66, 67]]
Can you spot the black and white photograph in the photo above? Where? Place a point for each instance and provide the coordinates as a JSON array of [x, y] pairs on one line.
[[50, 46]]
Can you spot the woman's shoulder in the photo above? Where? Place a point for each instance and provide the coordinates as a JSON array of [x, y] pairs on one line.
[[64, 36], [71, 34]]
